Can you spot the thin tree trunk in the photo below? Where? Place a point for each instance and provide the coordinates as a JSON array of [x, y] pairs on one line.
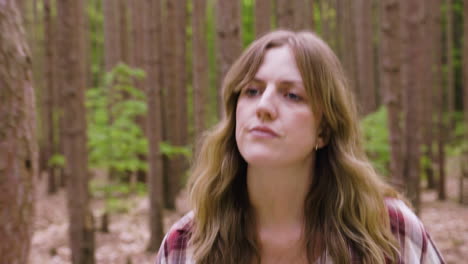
[[364, 55], [111, 39], [123, 31], [228, 40], [413, 17], [326, 22], [303, 15], [432, 82], [152, 31], [262, 17], [19, 150], [464, 175], [175, 81], [71, 49], [391, 85], [48, 96], [200, 65], [346, 21], [285, 16], [450, 67]]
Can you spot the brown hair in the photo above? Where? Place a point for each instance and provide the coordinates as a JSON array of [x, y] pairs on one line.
[[344, 209]]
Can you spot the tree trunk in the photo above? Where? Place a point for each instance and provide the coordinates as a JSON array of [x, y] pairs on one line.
[[123, 31], [303, 15], [48, 97], [413, 17], [262, 17], [346, 38], [152, 31], [175, 82], [71, 47], [200, 65], [19, 150], [364, 56], [464, 175], [285, 16], [228, 40], [391, 85], [450, 67], [432, 82], [326, 24], [111, 34]]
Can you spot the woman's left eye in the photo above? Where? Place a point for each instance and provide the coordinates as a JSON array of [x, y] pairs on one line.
[[293, 96]]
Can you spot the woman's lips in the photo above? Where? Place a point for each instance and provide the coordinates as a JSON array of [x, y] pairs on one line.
[[263, 131]]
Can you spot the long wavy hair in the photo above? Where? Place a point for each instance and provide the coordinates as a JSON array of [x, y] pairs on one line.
[[345, 213]]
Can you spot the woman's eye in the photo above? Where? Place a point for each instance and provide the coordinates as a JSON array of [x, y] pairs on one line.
[[252, 91], [293, 96]]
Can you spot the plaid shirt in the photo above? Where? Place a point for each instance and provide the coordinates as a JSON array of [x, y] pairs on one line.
[[416, 246]]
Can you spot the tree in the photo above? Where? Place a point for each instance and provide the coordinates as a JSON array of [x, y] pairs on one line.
[[152, 31], [391, 84], [303, 18], [200, 64], [262, 17], [175, 82], [111, 39], [450, 97], [228, 39], [464, 176], [285, 14], [48, 105], [367, 93], [19, 151], [432, 83], [412, 81], [73, 83]]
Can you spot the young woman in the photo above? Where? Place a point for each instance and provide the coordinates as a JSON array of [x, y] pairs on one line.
[[283, 177]]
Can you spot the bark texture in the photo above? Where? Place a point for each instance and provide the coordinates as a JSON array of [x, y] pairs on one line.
[[73, 83], [263, 10], [391, 84], [152, 31], [19, 151], [464, 175], [413, 17], [200, 65], [48, 102], [367, 93], [175, 83], [228, 39]]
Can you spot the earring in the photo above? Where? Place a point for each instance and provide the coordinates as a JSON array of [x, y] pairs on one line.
[[316, 147]]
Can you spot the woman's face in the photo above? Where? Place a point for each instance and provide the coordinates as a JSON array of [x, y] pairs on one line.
[[275, 125]]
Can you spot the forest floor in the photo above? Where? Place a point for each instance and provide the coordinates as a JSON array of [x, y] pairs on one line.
[[446, 221]]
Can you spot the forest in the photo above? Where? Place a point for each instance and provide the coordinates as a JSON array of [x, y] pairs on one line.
[[103, 104]]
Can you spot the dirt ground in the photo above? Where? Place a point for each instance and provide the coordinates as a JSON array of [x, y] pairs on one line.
[[446, 221]]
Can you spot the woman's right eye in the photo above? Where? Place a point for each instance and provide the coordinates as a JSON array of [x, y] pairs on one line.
[[252, 91]]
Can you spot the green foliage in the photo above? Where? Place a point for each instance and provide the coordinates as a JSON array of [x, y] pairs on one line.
[[57, 160], [117, 205], [114, 138], [458, 144], [248, 26], [116, 195], [171, 151], [376, 141]]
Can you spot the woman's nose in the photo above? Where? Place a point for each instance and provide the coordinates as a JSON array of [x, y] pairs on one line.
[[266, 107]]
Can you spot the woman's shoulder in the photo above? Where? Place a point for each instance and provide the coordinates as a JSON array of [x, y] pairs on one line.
[[416, 245], [174, 247]]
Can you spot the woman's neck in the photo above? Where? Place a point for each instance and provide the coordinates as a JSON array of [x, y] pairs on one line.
[[277, 195]]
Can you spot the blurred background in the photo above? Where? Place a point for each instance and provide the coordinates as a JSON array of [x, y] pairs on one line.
[[103, 101]]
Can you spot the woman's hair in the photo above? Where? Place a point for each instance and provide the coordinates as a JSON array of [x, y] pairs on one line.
[[344, 208]]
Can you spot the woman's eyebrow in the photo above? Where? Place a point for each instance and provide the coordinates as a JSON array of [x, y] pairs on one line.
[[282, 82]]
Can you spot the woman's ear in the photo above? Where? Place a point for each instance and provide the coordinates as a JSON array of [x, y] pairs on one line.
[[323, 134]]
